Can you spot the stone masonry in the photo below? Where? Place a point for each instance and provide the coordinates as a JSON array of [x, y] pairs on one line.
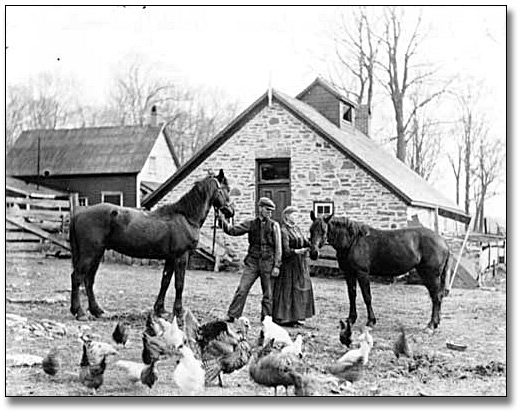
[[318, 172]]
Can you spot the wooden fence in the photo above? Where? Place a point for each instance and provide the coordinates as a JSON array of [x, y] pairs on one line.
[[37, 225]]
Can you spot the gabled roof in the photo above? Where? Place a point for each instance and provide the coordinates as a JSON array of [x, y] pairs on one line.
[[330, 87], [92, 150], [366, 153]]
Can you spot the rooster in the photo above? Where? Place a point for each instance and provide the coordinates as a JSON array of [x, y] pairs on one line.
[[220, 349], [349, 367], [161, 339], [120, 334], [139, 372], [94, 361], [272, 368]]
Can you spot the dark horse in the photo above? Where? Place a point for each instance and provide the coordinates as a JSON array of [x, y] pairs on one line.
[[363, 251], [170, 232]]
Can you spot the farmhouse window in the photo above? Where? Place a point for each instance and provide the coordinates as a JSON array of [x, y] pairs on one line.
[[274, 170], [116, 198], [347, 112], [153, 165], [323, 208], [83, 201]]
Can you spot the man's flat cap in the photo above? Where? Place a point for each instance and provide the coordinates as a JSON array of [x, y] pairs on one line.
[[266, 202]]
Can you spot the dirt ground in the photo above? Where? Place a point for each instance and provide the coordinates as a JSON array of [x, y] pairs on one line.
[[37, 289]]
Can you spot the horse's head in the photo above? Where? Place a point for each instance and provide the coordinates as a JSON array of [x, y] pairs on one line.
[[221, 196], [318, 233]]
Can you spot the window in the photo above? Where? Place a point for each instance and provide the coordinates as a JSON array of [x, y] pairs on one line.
[[83, 201], [323, 208], [153, 165], [274, 170], [347, 112], [116, 198]]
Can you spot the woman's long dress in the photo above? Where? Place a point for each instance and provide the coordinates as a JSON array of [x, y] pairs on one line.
[[292, 293]]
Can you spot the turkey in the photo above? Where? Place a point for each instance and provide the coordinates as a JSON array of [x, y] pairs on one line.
[[271, 367], [220, 349], [272, 330], [189, 375]]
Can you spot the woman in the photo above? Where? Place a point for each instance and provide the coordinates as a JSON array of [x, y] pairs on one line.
[[292, 294]]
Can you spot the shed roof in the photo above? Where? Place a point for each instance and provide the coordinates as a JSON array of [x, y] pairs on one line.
[[20, 187], [92, 150], [365, 152]]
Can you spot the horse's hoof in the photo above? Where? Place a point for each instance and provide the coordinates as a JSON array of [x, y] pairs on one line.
[[98, 314], [82, 318]]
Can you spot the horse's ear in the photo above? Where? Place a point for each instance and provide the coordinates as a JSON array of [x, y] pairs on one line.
[[312, 215], [328, 218], [221, 175]]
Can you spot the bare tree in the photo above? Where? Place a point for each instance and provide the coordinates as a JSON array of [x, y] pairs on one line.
[[402, 72], [136, 89], [424, 138], [489, 160], [42, 102], [356, 50]]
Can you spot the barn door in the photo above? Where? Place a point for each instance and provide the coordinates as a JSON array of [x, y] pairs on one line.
[[273, 181]]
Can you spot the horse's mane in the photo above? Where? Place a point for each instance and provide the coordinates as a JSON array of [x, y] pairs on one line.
[[187, 205], [342, 231]]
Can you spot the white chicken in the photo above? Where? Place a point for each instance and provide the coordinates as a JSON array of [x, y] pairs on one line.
[[189, 375], [350, 366], [272, 330], [139, 372], [296, 347]]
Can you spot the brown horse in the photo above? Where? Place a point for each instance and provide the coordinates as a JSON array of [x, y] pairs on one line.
[[363, 251], [169, 232]]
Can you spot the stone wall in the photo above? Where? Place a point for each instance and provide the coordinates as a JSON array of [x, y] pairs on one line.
[[318, 172]]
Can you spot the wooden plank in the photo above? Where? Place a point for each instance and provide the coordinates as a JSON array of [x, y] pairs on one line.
[[54, 216], [39, 232], [14, 247], [44, 203], [12, 236]]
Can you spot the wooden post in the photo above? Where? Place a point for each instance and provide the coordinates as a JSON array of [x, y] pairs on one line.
[[460, 254], [74, 202]]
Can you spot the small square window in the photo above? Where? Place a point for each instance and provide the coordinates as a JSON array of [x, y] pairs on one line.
[[83, 201], [347, 113], [116, 198], [323, 208]]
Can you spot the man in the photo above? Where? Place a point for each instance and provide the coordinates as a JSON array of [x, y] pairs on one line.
[[262, 260]]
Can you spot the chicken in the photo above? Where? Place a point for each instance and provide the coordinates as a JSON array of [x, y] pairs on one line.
[[51, 362], [94, 361], [272, 330], [345, 336], [296, 347], [272, 368], [161, 339], [120, 334], [189, 375], [402, 346], [350, 366], [220, 349], [139, 372]]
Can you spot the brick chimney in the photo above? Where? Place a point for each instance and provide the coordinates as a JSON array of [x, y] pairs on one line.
[[363, 119], [153, 116]]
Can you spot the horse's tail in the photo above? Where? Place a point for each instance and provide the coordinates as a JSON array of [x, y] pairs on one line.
[[445, 276]]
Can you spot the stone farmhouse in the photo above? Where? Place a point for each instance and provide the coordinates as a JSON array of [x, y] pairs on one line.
[[314, 152]]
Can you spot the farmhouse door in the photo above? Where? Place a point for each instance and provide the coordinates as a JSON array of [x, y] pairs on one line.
[[273, 181]]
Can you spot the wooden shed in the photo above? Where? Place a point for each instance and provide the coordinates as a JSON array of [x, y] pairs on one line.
[[101, 164]]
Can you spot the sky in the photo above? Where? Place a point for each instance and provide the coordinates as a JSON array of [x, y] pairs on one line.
[[238, 50]]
